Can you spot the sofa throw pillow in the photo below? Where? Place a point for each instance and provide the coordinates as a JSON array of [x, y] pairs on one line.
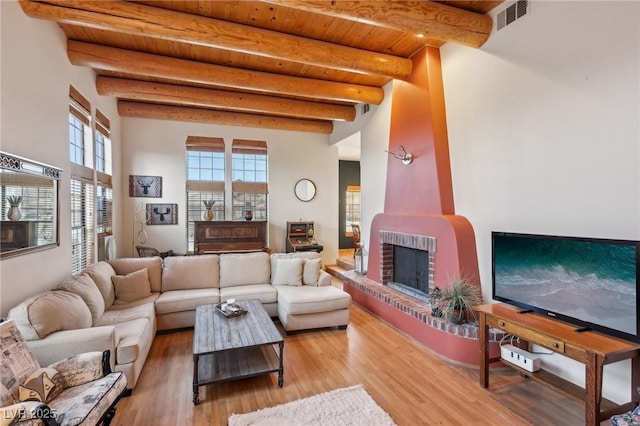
[[311, 271], [101, 274], [42, 385], [58, 310], [85, 287], [132, 286], [127, 265], [288, 272]]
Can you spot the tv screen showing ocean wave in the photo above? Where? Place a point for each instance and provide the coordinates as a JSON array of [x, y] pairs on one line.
[[593, 281]]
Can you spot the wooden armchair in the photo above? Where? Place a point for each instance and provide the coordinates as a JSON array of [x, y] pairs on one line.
[[80, 390], [146, 251], [356, 236]]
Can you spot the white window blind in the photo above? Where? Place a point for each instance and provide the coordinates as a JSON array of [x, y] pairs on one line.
[[82, 225], [104, 192], [104, 210]]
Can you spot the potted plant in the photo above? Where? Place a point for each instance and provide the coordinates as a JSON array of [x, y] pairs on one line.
[[458, 300]]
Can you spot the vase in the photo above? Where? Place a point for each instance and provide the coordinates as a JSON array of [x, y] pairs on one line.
[[208, 214], [248, 215], [14, 213]]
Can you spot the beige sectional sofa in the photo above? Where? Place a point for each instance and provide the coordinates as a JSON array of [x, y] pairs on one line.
[[120, 304]]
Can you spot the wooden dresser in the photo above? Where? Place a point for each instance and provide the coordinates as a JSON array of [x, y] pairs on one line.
[[216, 237]]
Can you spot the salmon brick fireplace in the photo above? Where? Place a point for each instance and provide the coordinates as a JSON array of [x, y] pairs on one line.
[[419, 213]]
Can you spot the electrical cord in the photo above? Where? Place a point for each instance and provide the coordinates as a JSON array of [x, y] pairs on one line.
[[514, 340]]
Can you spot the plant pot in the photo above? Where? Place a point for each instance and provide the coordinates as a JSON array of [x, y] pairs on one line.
[[208, 214], [248, 215], [455, 316]]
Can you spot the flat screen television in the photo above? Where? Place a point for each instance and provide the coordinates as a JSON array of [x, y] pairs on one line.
[[590, 282]]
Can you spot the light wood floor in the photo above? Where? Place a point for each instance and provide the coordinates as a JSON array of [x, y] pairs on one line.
[[409, 382]]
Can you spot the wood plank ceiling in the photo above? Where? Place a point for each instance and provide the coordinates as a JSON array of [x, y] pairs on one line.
[[283, 64]]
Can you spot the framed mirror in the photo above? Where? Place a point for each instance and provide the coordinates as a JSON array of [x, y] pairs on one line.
[[28, 206], [305, 190]]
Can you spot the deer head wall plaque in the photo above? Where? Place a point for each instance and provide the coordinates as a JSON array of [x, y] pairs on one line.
[[145, 186], [162, 214]]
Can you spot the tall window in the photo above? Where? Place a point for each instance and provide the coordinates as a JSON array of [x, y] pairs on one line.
[[103, 144], [82, 181], [80, 142], [76, 138], [104, 191], [205, 181], [249, 179], [352, 208], [244, 186]]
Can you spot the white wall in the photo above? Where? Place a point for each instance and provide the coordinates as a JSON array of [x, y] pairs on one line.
[[544, 133], [374, 130], [373, 163], [34, 91], [157, 148]]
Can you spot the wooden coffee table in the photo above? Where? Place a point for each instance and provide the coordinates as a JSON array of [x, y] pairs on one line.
[[227, 349]]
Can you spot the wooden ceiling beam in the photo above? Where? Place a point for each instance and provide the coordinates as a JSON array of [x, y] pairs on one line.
[[146, 64], [200, 115], [137, 19], [137, 90], [428, 18]]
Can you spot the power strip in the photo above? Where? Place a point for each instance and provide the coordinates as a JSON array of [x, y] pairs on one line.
[[520, 358]]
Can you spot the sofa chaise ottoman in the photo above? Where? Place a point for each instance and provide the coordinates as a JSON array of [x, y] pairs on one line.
[[306, 298]]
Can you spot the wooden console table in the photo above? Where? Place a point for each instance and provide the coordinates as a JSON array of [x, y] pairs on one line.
[[592, 349]]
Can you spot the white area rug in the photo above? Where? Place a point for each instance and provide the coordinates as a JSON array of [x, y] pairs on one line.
[[347, 406]]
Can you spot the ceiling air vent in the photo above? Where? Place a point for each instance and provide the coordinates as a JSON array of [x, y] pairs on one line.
[[510, 14]]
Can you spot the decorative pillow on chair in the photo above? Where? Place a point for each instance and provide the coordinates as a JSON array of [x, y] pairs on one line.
[[311, 271], [132, 286], [42, 385], [288, 272]]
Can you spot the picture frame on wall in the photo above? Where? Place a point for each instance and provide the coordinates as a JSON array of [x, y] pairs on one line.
[[162, 214], [145, 186]]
